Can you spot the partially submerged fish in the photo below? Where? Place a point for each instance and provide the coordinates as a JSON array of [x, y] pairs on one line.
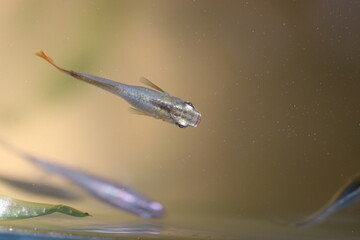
[[39, 188], [347, 195], [110, 192], [13, 209], [156, 103]]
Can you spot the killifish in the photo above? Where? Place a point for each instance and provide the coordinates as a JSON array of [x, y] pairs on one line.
[[12, 209], [105, 190], [153, 102], [345, 196]]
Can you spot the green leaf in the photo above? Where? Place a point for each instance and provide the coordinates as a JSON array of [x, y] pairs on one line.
[[12, 209]]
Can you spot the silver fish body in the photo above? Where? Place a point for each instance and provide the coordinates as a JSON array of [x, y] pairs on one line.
[[110, 192], [105, 190], [346, 196], [161, 106], [156, 103]]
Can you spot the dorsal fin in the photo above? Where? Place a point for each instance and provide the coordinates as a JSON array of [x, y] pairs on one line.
[[149, 83]]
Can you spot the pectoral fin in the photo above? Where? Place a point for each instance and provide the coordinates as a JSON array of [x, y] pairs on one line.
[[149, 83], [138, 112]]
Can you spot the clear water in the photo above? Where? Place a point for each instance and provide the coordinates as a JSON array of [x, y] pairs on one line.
[[62, 227], [277, 83]]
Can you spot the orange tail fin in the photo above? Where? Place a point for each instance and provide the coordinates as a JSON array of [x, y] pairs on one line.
[[47, 58]]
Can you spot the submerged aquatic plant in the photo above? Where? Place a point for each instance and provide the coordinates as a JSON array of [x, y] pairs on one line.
[[13, 209]]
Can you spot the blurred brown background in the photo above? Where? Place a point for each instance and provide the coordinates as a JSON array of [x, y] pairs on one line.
[[277, 83]]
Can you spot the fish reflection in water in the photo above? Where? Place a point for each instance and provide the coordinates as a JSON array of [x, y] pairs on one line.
[[347, 195], [156, 103], [40, 188], [137, 228], [110, 192]]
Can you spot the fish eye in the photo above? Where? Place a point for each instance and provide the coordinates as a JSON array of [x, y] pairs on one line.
[[190, 104], [180, 125]]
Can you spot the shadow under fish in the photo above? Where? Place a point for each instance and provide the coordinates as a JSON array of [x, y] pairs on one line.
[[40, 188], [107, 191], [347, 195]]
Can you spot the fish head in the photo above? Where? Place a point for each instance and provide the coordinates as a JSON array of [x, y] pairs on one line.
[[150, 209], [184, 114], [143, 207], [130, 201]]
